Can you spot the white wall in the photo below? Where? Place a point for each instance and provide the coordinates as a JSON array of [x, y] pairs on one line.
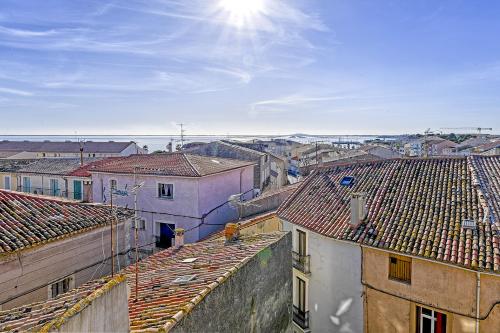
[[334, 296]]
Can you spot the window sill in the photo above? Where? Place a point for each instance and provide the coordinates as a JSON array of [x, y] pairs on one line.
[[400, 281], [165, 198]]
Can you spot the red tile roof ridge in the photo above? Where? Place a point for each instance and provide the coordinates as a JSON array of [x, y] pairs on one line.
[[196, 171]]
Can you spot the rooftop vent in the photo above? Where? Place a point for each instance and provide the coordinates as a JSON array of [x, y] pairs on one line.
[[347, 181], [359, 211], [184, 279], [469, 224], [189, 260]]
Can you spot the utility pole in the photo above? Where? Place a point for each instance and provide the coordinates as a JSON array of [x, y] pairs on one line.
[[135, 189], [81, 142], [111, 232]]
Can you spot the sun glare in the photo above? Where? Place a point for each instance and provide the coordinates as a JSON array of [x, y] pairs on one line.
[[242, 12]]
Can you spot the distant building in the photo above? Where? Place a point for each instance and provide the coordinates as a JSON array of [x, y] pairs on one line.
[[66, 149], [406, 245], [179, 191], [243, 285], [55, 177], [48, 246], [223, 149]]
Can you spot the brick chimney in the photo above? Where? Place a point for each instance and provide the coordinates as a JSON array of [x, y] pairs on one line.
[[179, 237]]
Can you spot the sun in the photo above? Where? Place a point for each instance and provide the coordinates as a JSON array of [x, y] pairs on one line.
[[242, 12]]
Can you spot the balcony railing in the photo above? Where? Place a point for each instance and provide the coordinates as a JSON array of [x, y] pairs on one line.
[[301, 317], [301, 262], [51, 192]]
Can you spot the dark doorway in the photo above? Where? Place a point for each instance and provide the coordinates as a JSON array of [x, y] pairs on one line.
[[166, 238]]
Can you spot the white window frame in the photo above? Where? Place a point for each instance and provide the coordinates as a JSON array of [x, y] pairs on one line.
[[158, 191]]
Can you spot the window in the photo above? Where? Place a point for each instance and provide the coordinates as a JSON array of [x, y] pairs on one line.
[[6, 182], [166, 191], [54, 187], [141, 224], [60, 287], [113, 184], [430, 321], [400, 268], [26, 184], [301, 238], [301, 294]]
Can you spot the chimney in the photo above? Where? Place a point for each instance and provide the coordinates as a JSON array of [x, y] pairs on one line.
[[358, 209], [232, 232], [81, 155], [179, 237]]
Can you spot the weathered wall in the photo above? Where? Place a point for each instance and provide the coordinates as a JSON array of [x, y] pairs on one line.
[[448, 289], [257, 298], [107, 313], [25, 277], [265, 202]]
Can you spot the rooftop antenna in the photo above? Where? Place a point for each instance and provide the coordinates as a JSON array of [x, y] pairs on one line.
[[182, 134], [82, 143]]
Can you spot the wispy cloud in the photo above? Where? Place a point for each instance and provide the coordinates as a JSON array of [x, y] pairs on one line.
[[288, 103], [15, 92], [25, 33], [241, 75]]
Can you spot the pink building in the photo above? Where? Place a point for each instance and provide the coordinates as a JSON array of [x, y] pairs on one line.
[[179, 191]]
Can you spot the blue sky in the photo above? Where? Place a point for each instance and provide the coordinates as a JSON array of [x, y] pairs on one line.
[[320, 67]]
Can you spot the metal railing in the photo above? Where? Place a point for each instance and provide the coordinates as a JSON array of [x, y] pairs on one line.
[[51, 192], [301, 317], [301, 262]]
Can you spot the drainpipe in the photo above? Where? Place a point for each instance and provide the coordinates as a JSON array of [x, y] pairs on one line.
[[478, 298]]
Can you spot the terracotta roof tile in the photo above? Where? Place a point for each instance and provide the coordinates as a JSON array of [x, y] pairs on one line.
[[162, 302], [414, 206], [172, 164], [28, 220], [55, 166]]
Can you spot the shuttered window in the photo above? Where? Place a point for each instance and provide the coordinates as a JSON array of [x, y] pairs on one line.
[[400, 268]]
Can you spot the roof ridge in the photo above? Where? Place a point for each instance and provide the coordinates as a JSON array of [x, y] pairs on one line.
[[196, 171]]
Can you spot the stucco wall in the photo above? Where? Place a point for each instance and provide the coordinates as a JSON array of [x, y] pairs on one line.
[[107, 313], [193, 197], [448, 289], [24, 278], [334, 283], [257, 298]]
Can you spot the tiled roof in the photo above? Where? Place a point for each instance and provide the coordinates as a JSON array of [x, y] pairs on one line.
[[44, 315], [488, 146], [13, 165], [63, 146], [245, 223], [55, 166], [172, 164], [27, 220], [414, 207], [487, 169], [84, 171], [226, 149], [163, 302], [352, 157]]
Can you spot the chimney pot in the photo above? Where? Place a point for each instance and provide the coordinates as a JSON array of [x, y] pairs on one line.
[[179, 237], [232, 232]]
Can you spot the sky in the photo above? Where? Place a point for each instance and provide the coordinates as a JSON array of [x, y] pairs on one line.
[[248, 66]]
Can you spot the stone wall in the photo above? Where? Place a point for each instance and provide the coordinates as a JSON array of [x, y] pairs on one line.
[[257, 298]]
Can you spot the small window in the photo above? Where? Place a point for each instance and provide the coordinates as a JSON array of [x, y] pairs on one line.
[[166, 191], [301, 238], [60, 287], [113, 184], [6, 182], [400, 268], [141, 224], [430, 321]]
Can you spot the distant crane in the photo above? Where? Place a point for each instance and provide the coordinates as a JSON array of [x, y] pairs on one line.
[[478, 129]]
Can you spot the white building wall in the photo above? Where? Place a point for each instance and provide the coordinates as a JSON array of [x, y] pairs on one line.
[[334, 294]]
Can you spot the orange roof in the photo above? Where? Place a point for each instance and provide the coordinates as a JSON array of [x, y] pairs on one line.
[[415, 207], [163, 301], [171, 164]]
